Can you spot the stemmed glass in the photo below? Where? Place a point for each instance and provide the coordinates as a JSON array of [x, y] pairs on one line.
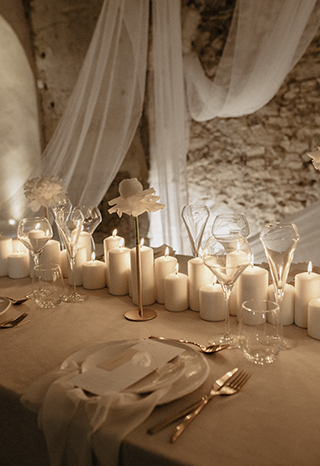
[[34, 233], [280, 240], [92, 218], [230, 224], [227, 257], [195, 218], [70, 223]]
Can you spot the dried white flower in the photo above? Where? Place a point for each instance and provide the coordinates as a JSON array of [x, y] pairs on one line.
[[315, 158], [133, 200], [43, 190]]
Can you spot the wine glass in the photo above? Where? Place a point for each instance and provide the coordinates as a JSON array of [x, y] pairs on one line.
[[230, 224], [227, 257], [34, 233], [280, 240], [92, 218], [70, 223], [195, 218]]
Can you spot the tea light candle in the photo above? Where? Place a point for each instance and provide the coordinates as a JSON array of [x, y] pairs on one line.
[[5, 250], [81, 258], [307, 287], [119, 270], [176, 291], [199, 275], [287, 305], [252, 284], [147, 275], [162, 267], [85, 240], [93, 274], [212, 304], [313, 328], [18, 264]]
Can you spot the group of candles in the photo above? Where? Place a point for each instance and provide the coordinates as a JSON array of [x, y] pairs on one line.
[[163, 283]]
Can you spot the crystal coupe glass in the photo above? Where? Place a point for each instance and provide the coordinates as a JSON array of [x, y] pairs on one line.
[[280, 240], [230, 224], [227, 257]]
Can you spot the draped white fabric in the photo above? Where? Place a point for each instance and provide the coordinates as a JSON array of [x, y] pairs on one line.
[[265, 41]]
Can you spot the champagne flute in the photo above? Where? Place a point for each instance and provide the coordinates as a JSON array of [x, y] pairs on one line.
[[70, 224], [34, 233], [195, 218], [280, 240], [92, 218], [227, 257], [230, 224]]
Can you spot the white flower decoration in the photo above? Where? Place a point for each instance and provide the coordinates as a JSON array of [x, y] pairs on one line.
[[133, 200], [315, 158], [41, 191]]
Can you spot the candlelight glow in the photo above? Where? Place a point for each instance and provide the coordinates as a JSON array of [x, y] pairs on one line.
[[121, 242], [93, 256], [310, 267], [142, 242], [114, 233], [166, 253], [176, 269]]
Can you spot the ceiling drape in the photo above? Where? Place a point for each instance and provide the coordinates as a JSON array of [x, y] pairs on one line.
[[265, 41]]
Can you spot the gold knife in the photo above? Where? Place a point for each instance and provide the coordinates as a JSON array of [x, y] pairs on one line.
[[217, 384]]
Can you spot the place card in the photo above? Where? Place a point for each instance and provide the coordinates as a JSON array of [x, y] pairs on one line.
[[119, 371]]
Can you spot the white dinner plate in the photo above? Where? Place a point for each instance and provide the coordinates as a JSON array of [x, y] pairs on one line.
[[185, 373], [5, 303]]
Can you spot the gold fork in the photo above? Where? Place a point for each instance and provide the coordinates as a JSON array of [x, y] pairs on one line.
[[230, 388]]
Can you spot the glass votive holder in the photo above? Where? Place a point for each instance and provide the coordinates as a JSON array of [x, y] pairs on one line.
[[260, 331], [47, 285]]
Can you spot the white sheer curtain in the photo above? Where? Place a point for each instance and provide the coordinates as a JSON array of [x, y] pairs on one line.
[[266, 40]]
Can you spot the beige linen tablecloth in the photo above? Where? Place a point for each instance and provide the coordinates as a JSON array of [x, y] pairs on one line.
[[273, 420]]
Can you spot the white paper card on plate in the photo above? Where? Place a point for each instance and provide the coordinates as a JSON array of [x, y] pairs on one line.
[[119, 371]]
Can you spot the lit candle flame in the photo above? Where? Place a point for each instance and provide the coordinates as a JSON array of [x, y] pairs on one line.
[[176, 269], [251, 260], [114, 233], [18, 248], [166, 253], [142, 242], [200, 253], [214, 279], [121, 242], [93, 256], [37, 226], [310, 267]]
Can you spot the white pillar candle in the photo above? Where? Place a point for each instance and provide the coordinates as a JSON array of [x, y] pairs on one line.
[[176, 291], [85, 240], [81, 258], [93, 274], [313, 328], [162, 267], [119, 271], [252, 284], [147, 276], [112, 241], [287, 305], [307, 287], [18, 265], [5, 250], [212, 304], [64, 263], [199, 275], [50, 255]]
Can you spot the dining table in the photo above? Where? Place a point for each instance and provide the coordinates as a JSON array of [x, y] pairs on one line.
[[273, 420]]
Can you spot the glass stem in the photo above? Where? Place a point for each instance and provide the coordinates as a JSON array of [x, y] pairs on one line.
[[35, 259], [227, 292], [73, 272]]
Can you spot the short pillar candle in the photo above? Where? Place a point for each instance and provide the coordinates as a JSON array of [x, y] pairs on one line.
[[162, 267], [313, 328], [176, 291], [307, 287], [212, 305], [5, 250], [287, 304], [199, 275], [18, 265], [252, 284], [94, 274]]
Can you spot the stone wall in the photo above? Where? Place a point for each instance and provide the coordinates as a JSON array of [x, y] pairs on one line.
[[256, 164]]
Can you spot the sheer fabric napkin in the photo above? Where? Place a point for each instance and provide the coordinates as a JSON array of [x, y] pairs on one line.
[[78, 427]]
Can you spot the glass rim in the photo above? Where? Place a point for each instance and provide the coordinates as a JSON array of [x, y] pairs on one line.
[[268, 302]]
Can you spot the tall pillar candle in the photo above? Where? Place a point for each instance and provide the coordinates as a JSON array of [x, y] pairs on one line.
[[162, 267], [111, 242], [5, 249], [85, 240], [307, 287], [287, 304], [176, 291], [119, 271], [199, 275], [212, 305], [81, 258], [93, 274], [252, 284], [147, 276], [313, 328]]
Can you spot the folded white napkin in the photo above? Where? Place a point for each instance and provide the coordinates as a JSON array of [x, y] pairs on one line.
[[78, 427]]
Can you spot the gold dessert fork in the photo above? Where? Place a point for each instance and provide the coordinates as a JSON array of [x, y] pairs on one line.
[[230, 388]]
